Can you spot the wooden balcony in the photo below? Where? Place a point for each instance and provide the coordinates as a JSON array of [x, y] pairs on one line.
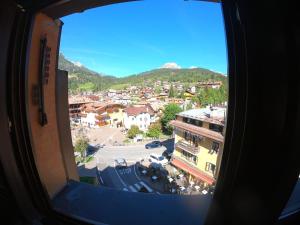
[[187, 147], [201, 131]]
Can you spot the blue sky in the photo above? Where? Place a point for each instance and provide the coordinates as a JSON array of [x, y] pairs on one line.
[[129, 38]]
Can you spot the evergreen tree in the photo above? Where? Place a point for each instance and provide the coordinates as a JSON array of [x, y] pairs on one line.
[[171, 92], [169, 114]]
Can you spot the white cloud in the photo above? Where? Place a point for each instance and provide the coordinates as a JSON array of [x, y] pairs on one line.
[[171, 65], [77, 64], [193, 67]]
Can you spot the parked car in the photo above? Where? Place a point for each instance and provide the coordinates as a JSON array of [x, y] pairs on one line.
[[153, 144], [159, 159], [168, 154], [120, 163], [92, 149]]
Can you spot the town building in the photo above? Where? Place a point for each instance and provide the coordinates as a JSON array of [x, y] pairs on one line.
[[193, 89], [188, 94], [75, 109], [89, 119], [141, 116], [111, 93], [210, 84], [123, 100], [107, 113], [162, 96], [111, 113], [76, 104], [199, 142]]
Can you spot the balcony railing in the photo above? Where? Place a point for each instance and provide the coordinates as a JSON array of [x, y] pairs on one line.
[[187, 147]]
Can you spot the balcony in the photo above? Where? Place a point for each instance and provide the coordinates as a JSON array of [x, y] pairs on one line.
[[201, 131], [187, 147]]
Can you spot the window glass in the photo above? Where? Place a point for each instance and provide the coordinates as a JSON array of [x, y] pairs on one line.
[[162, 59]]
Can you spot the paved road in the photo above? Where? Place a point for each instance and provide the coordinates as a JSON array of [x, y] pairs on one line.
[[125, 179]]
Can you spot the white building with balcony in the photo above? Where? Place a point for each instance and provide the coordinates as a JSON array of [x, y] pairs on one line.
[[140, 116]]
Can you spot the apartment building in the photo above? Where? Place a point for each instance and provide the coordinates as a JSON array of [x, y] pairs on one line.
[[76, 104], [111, 113], [210, 84], [141, 116], [199, 143]]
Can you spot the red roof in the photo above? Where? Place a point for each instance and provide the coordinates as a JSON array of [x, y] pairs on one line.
[[134, 111], [198, 130], [193, 171], [93, 97]]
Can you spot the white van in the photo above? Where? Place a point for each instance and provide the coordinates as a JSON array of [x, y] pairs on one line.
[[159, 159]]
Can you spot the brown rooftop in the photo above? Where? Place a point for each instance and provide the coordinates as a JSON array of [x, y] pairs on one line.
[[134, 111], [198, 130]]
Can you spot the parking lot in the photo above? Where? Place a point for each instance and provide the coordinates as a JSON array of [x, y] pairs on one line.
[[103, 135]]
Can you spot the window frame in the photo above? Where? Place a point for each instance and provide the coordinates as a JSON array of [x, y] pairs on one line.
[[239, 20], [212, 150], [208, 167]]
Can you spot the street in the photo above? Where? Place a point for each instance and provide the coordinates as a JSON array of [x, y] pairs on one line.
[[125, 179]]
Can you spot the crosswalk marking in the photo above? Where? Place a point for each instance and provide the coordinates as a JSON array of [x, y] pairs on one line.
[[137, 186], [132, 189], [125, 171], [146, 186]]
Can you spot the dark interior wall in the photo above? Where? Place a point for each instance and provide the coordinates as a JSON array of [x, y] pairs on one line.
[[9, 184], [261, 158]]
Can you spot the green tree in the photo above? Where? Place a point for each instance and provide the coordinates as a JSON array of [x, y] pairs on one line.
[[157, 90], [81, 145], [181, 95], [204, 97], [171, 92], [133, 131], [189, 106], [154, 130], [195, 100], [169, 114], [212, 96]]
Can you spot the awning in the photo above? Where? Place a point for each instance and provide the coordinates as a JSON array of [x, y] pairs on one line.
[[194, 172]]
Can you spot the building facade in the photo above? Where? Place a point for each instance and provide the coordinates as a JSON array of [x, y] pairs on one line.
[[111, 113], [89, 119], [141, 116], [199, 142]]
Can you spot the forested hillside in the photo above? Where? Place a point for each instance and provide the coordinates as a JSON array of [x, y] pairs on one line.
[[83, 79]]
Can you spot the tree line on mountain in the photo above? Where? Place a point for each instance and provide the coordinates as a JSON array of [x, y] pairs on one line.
[[81, 79]]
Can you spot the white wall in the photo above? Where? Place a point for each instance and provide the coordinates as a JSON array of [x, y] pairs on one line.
[[142, 120], [89, 120]]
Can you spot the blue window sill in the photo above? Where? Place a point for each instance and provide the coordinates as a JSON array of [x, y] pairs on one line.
[[110, 206], [293, 205]]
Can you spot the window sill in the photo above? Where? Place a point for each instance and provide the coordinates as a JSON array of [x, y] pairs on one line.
[[110, 206], [293, 205]]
